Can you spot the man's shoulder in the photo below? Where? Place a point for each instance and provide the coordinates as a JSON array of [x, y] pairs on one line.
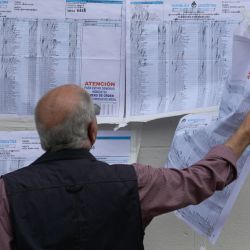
[[121, 170]]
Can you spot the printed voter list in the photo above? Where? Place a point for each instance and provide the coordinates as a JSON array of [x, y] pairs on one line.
[[196, 134], [178, 54], [44, 44]]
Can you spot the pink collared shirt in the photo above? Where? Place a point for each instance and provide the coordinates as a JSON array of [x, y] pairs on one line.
[[161, 190]]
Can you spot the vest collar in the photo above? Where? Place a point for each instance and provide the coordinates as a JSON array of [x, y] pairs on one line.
[[65, 154]]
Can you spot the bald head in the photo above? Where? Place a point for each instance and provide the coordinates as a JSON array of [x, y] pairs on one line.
[[65, 118], [57, 105]]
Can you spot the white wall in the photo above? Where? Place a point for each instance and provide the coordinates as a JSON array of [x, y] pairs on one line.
[[169, 233]]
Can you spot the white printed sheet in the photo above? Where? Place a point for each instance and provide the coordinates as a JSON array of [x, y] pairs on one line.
[[197, 134], [44, 44], [178, 55]]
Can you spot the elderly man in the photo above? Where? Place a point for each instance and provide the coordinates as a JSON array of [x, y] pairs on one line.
[[67, 199]]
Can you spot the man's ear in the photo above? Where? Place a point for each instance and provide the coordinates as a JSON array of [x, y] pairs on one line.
[[92, 132]]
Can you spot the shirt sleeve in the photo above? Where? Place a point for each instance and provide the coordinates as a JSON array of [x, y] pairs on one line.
[[5, 227], [163, 190]]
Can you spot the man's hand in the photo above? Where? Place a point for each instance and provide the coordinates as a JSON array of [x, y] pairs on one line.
[[241, 138]]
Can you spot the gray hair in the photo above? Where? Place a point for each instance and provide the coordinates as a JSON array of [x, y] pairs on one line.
[[73, 132]]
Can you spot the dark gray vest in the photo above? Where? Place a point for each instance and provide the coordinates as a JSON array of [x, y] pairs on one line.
[[68, 200]]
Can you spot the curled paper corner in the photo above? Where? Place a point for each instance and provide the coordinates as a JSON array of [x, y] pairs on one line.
[[120, 125], [243, 29]]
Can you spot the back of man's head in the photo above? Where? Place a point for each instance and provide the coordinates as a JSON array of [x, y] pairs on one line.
[[63, 117]]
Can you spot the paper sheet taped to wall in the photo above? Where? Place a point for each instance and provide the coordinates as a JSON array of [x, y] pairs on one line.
[[44, 44]]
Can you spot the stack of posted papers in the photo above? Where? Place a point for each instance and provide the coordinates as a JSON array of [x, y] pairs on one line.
[[139, 59], [197, 134]]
